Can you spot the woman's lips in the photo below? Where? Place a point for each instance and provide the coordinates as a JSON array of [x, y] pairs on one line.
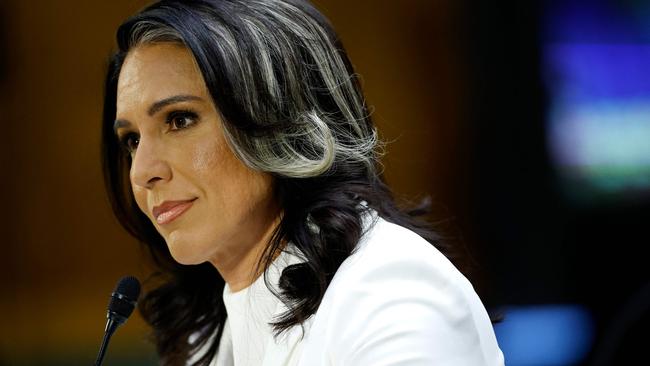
[[170, 210]]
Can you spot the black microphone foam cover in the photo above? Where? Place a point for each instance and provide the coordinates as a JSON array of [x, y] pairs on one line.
[[125, 296]]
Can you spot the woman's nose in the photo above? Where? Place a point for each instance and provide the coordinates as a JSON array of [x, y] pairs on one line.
[[149, 165]]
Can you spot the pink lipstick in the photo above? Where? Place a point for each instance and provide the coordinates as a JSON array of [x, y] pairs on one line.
[[170, 210]]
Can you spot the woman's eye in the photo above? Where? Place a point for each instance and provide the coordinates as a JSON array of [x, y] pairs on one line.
[[181, 119], [130, 142]]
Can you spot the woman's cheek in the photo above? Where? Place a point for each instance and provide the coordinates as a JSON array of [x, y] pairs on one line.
[[205, 158]]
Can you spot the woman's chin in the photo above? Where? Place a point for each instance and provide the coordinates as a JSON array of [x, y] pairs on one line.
[[185, 257], [184, 252]]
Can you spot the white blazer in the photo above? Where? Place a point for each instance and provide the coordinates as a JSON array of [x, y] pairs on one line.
[[396, 301]]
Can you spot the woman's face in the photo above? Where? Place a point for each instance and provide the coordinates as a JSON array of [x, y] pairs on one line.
[[205, 202]]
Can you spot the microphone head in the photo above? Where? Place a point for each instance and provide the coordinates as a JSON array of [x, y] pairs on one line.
[[124, 298]]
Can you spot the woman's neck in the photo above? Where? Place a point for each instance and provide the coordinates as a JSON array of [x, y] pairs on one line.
[[239, 267]]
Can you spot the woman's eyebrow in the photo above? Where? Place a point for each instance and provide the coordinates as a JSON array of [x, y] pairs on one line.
[[157, 106], [119, 123]]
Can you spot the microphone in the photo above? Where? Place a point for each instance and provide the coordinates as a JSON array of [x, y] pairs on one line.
[[123, 301]]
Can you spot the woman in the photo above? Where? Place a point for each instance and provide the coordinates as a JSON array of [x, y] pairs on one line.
[[238, 148]]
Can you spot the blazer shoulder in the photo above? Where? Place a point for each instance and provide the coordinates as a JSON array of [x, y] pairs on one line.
[[388, 248], [397, 294]]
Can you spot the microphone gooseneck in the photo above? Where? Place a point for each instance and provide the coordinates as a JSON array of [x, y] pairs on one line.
[[123, 300]]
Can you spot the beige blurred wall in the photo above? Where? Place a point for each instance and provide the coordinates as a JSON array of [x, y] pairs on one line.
[[64, 250]]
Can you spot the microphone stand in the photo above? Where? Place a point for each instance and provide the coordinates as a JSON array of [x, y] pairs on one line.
[[113, 322]]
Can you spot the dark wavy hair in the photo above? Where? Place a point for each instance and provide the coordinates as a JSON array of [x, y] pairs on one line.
[[292, 106]]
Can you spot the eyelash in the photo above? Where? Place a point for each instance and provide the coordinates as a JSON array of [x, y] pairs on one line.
[[128, 138], [185, 113]]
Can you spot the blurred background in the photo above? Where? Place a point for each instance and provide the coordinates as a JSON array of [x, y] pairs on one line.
[[526, 122]]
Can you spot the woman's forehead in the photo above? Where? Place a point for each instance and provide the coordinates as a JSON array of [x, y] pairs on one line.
[[156, 71]]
